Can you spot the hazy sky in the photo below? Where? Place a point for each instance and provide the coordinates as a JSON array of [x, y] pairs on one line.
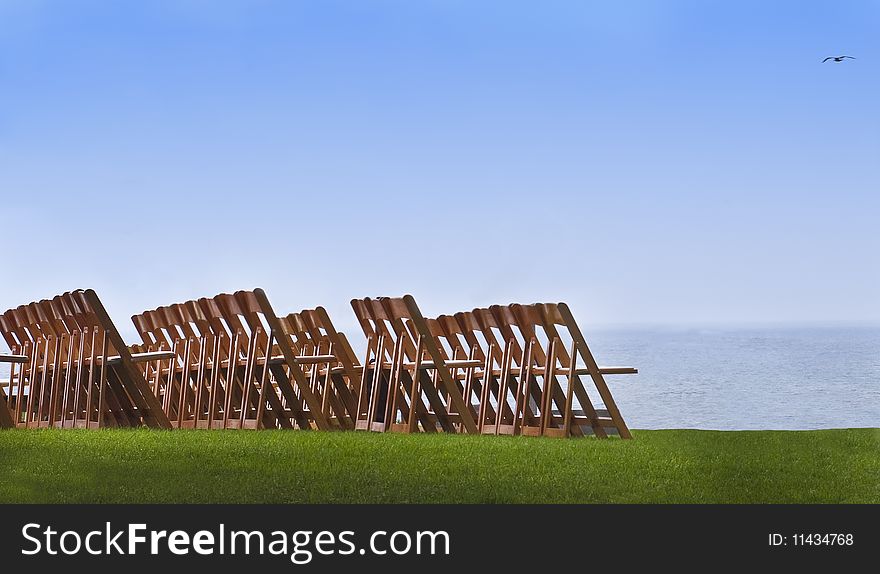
[[648, 162]]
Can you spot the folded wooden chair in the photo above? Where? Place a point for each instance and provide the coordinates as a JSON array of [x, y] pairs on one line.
[[518, 390], [491, 386], [410, 370], [71, 368], [557, 343], [220, 379], [315, 338], [467, 361]]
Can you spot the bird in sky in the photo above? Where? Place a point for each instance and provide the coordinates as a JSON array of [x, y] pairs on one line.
[[837, 58]]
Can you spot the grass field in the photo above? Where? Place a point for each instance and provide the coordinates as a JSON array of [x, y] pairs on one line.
[[684, 466]]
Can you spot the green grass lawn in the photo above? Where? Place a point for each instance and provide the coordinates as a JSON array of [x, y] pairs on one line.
[[129, 466]]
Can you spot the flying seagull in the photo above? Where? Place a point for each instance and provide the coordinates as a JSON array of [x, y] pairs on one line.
[[837, 58]]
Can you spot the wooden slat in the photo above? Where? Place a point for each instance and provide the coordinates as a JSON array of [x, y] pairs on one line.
[[141, 357], [579, 371]]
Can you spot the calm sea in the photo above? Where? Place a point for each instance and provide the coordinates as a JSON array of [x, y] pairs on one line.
[[779, 378]]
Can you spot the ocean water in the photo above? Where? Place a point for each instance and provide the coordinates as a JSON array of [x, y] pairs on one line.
[[738, 379]]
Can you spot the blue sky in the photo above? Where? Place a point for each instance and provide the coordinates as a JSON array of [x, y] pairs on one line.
[[648, 162]]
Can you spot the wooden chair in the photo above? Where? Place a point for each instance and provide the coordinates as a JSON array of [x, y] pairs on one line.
[[467, 361], [465, 333], [71, 368], [557, 343], [410, 370], [314, 337], [240, 334], [517, 393]]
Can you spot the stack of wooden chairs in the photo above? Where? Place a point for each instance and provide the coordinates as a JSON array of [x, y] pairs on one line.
[[236, 364], [230, 362], [70, 368]]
